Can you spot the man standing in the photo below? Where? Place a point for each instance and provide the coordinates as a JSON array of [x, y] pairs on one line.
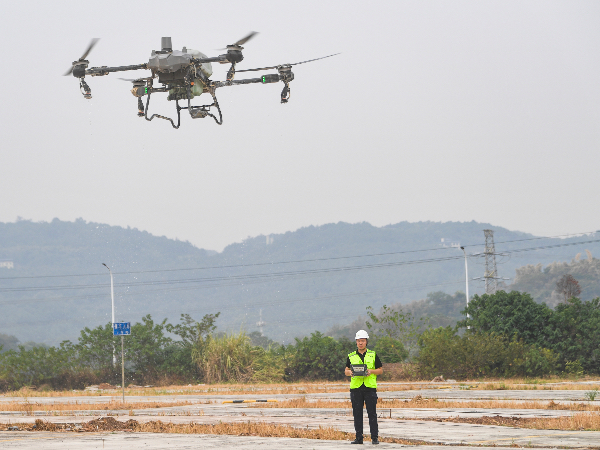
[[363, 389]]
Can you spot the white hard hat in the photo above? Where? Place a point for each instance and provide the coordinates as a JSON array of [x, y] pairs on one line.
[[362, 334]]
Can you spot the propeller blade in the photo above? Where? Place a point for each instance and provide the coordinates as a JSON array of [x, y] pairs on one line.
[[90, 47], [294, 64], [87, 52], [247, 38], [133, 80], [241, 41]]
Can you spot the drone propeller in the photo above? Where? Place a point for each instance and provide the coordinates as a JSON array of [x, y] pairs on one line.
[[245, 39], [136, 80], [238, 45], [82, 59], [283, 65]]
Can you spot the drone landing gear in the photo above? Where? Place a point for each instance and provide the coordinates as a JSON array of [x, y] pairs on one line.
[[196, 112], [162, 117], [200, 112]]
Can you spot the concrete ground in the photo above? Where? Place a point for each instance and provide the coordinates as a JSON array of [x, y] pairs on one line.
[[391, 422], [160, 441]]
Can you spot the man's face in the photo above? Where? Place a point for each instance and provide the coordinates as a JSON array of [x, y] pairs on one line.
[[361, 344]]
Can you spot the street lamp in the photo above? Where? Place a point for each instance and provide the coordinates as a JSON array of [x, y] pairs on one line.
[[466, 278], [112, 298]]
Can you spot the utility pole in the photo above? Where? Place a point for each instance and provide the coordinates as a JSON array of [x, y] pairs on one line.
[[112, 298], [466, 277], [491, 272]]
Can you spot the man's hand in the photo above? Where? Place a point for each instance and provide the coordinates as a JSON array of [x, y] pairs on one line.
[[348, 372]]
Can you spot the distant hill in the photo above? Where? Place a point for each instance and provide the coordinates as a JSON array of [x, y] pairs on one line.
[[298, 282]]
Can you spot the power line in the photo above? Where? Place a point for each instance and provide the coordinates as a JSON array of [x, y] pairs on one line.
[[14, 324], [290, 261], [275, 275], [235, 277]]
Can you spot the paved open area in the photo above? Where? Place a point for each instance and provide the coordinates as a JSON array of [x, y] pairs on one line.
[[417, 424], [160, 441]]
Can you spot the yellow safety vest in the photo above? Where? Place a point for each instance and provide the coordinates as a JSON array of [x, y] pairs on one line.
[[371, 380]]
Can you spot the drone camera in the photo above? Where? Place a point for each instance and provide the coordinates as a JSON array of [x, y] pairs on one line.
[[272, 78]]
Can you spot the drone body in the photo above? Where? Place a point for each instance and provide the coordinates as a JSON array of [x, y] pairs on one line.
[[183, 75]]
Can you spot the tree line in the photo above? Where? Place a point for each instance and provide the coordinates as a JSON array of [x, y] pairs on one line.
[[509, 334], [163, 353], [501, 335]]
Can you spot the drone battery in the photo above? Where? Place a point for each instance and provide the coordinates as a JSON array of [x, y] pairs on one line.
[[359, 370]]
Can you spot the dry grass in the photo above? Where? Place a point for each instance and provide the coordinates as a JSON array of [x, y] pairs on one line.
[[240, 389], [76, 406], [316, 387], [588, 421], [585, 421], [236, 429], [420, 402]]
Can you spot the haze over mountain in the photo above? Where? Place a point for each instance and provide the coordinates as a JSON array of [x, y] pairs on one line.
[[301, 281]]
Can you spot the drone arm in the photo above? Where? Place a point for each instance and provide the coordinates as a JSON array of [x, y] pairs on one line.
[[219, 59], [286, 77], [273, 78], [100, 71]]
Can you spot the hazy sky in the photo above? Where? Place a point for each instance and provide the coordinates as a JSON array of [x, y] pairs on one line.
[[435, 110]]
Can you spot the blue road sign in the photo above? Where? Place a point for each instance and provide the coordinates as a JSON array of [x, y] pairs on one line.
[[121, 328]]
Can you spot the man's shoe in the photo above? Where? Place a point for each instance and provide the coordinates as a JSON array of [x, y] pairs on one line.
[[357, 441], [375, 441]]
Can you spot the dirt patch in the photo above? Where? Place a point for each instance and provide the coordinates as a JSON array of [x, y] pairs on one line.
[[236, 429], [516, 422], [110, 424]]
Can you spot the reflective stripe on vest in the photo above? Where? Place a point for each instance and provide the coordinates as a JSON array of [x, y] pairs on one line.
[[371, 380]]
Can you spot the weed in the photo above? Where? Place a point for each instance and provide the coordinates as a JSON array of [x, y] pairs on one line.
[[591, 395]]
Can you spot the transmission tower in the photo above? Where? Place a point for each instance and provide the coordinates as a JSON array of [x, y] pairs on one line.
[[260, 324], [491, 272]]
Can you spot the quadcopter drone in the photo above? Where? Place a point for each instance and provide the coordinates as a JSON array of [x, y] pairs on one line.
[[184, 75]]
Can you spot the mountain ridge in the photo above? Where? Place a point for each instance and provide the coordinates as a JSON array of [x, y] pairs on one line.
[[303, 280]]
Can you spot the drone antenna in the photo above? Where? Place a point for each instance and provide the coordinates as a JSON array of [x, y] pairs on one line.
[[166, 45]]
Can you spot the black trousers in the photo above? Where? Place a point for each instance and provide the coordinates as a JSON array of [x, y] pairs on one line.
[[369, 399]]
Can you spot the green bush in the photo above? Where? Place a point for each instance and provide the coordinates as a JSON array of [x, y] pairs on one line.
[[319, 357], [390, 350], [444, 352], [571, 330], [574, 368]]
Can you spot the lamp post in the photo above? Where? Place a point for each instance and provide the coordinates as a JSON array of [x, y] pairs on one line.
[[112, 298], [466, 277]]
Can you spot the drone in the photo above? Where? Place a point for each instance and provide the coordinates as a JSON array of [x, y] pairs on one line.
[[183, 75]]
